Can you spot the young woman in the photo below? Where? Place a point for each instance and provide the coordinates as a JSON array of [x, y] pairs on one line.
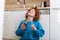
[[31, 28]]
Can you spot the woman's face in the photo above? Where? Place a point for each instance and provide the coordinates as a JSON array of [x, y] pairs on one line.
[[31, 12]]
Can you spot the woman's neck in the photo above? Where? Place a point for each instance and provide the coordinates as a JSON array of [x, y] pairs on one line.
[[29, 18]]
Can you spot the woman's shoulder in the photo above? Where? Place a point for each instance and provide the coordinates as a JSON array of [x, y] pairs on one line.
[[37, 21], [22, 21]]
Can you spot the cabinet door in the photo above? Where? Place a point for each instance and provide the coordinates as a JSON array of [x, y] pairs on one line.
[[45, 18]]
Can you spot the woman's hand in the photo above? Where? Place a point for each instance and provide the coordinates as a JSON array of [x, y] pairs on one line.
[[23, 26], [33, 27]]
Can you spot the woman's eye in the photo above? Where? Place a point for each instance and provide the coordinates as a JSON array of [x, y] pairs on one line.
[[29, 12]]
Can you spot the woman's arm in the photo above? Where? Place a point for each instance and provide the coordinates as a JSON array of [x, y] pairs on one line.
[[19, 31], [39, 31]]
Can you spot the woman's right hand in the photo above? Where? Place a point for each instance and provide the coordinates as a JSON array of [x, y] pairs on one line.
[[23, 26]]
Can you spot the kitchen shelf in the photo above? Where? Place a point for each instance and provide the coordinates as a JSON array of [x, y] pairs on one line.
[[17, 9]]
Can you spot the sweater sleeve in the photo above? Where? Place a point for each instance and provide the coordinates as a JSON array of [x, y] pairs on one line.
[[19, 31], [39, 31]]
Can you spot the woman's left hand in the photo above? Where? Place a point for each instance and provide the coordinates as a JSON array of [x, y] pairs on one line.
[[33, 27]]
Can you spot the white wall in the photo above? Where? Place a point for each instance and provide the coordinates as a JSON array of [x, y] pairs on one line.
[[12, 20]]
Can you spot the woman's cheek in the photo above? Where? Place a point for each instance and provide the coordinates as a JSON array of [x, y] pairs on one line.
[[29, 14], [32, 14]]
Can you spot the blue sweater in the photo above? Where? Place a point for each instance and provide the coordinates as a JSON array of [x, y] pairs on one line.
[[29, 33]]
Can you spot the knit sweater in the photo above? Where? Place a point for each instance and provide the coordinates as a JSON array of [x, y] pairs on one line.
[[28, 33]]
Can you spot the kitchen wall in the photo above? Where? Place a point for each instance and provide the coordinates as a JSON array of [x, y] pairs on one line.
[[13, 18]]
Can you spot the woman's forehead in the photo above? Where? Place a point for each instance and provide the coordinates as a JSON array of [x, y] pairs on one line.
[[32, 10]]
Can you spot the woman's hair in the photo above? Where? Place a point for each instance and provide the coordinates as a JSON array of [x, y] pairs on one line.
[[37, 13]]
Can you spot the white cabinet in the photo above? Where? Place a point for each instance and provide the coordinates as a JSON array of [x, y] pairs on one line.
[[55, 3], [54, 25]]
